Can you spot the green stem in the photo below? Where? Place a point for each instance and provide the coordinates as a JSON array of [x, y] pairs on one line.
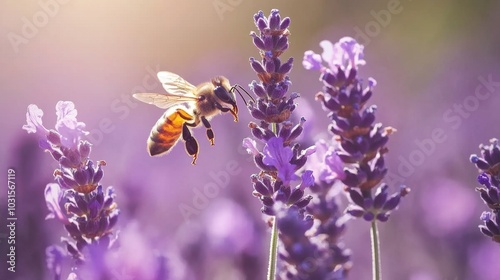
[[273, 246], [273, 249], [376, 268]]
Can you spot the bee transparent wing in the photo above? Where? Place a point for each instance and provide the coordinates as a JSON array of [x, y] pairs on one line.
[[165, 101], [175, 84]]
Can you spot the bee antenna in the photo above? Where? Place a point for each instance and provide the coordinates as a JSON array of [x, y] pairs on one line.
[[235, 88]]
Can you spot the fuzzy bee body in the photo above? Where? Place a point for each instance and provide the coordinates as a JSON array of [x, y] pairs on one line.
[[167, 131], [186, 106]]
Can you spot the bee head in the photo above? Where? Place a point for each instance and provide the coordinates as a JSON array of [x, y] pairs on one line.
[[225, 93]]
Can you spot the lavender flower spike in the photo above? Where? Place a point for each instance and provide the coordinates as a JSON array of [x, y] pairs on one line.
[[278, 184], [488, 165], [90, 212], [330, 222], [361, 141], [278, 158]]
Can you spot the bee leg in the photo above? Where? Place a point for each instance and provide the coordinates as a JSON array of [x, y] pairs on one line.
[[210, 132], [191, 143]]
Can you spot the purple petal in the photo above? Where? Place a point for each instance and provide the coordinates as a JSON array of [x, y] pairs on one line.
[[307, 179], [485, 216], [372, 82], [311, 61], [84, 148], [285, 23], [261, 188], [485, 231], [355, 211], [316, 162], [308, 151], [295, 195], [251, 146], [53, 196], [368, 216], [257, 89], [484, 180], [97, 175], [492, 227], [257, 66], [331, 54], [113, 219], [257, 41], [54, 258], [275, 154], [70, 129], [335, 164], [44, 144], [34, 120], [356, 198], [80, 177], [346, 54], [383, 217], [380, 200], [353, 51], [304, 201], [392, 202], [94, 208], [65, 110]]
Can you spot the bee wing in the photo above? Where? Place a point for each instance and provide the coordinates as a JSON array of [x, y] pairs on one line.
[[165, 101], [175, 84]]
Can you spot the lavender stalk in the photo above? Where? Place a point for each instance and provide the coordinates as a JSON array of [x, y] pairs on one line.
[[359, 142], [280, 159], [90, 213]]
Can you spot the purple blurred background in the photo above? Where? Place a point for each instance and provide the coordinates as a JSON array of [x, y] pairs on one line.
[[428, 58]]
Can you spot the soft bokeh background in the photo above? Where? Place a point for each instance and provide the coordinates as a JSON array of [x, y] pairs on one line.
[[427, 60]]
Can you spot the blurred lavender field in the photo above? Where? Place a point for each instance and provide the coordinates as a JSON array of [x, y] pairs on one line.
[[432, 62]]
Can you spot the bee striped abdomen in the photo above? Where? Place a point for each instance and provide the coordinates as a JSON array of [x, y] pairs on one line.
[[167, 131]]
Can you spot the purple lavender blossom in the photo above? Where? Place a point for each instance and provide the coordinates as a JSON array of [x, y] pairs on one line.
[[90, 213], [279, 156], [54, 257], [53, 198], [68, 127], [272, 106], [305, 256], [34, 122], [361, 141], [330, 222], [326, 164], [280, 159], [491, 226], [489, 179]]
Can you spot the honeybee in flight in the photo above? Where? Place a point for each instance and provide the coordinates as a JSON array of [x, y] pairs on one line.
[[187, 106]]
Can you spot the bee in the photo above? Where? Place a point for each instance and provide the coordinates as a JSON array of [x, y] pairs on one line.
[[187, 106]]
